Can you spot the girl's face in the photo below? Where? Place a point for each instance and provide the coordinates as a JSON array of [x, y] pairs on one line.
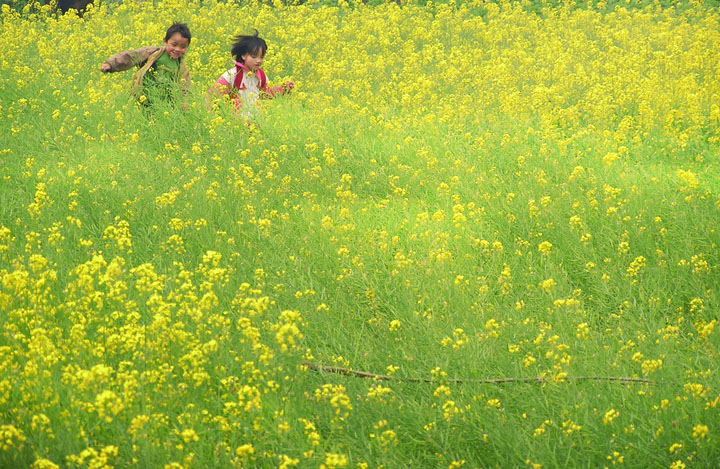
[[254, 60], [176, 46]]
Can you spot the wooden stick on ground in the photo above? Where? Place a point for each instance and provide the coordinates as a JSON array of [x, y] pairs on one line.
[[366, 374]]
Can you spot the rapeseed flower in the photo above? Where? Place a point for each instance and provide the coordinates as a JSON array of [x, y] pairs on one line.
[[501, 180]]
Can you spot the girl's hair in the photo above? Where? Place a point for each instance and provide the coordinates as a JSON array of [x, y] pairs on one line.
[[248, 45], [181, 28]]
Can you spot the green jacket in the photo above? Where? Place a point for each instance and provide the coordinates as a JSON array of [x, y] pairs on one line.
[[144, 58]]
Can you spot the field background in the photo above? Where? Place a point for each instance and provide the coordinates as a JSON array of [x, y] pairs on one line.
[[453, 191]]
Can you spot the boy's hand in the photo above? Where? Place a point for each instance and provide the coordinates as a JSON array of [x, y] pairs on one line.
[[105, 67]]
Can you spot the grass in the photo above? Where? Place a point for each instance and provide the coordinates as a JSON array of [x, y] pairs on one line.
[[445, 195]]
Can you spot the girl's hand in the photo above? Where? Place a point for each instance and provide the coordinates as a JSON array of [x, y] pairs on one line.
[[105, 67], [287, 86]]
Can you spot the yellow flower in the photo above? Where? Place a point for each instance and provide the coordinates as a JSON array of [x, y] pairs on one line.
[[609, 416], [700, 431], [42, 463], [610, 158], [333, 460], [188, 435], [245, 450], [545, 247], [547, 284]]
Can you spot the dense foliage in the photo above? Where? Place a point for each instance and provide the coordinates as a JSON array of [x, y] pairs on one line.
[[484, 191]]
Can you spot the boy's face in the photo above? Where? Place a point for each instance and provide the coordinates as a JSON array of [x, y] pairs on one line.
[[253, 61], [176, 46]]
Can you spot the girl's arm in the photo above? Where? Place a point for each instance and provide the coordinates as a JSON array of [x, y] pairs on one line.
[[127, 59], [275, 91], [221, 87], [224, 84]]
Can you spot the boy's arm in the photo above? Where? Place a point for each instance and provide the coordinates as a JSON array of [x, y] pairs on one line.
[[185, 83], [128, 59]]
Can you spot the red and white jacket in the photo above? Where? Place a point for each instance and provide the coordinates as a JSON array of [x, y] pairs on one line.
[[245, 86]]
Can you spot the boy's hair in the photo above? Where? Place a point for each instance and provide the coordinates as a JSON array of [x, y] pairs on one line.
[[248, 45], [181, 28]]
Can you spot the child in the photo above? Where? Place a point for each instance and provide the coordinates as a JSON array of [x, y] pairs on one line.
[[247, 82], [161, 69]]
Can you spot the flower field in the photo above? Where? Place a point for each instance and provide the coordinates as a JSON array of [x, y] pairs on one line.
[[476, 234]]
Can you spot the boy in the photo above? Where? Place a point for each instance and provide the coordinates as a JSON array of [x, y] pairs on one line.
[[162, 69]]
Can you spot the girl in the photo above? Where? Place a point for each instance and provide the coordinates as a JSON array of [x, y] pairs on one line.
[[247, 82]]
